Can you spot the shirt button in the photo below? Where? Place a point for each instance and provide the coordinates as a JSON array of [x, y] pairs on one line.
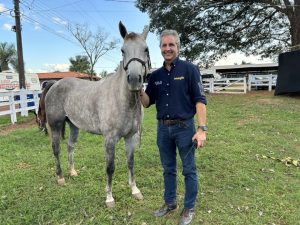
[[167, 84], [167, 94], [167, 104], [168, 116], [168, 73]]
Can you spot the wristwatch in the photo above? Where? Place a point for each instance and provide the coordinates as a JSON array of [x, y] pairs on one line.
[[203, 127]]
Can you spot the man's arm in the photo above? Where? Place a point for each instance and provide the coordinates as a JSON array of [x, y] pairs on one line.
[[200, 135]]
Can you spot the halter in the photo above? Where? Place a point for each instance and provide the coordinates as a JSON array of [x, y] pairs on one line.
[[140, 61]]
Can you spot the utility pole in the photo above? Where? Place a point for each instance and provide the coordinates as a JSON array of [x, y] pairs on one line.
[[19, 46]]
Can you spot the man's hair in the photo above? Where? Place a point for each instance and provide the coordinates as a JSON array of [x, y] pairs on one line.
[[173, 33]]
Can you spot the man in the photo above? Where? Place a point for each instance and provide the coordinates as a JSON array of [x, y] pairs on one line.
[[177, 91]]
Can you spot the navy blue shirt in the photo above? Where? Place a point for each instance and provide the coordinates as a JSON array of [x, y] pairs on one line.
[[177, 91]]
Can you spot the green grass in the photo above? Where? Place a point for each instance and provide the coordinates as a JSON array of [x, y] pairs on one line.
[[237, 186]]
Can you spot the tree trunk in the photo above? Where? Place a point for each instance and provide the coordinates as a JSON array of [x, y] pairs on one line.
[[295, 26]]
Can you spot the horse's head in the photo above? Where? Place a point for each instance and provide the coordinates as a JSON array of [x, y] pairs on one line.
[[136, 58]]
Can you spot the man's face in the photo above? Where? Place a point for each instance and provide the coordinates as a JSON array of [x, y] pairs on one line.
[[168, 48]]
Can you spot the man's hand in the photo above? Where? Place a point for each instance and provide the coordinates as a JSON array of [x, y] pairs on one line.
[[200, 138]]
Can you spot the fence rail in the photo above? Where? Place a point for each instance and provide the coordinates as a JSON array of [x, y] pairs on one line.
[[239, 85], [226, 85], [22, 101], [256, 81]]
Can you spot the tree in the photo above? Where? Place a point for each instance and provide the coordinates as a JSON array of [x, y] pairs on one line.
[[80, 64], [7, 54], [95, 45], [211, 29]]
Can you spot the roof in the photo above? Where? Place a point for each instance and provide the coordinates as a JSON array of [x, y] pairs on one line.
[[246, 67], [59, 75]]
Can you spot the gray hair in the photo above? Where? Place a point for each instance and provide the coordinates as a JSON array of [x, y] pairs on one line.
[[173, 33]]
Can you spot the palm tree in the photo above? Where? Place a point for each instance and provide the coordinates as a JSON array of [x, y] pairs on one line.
[[7, 54]]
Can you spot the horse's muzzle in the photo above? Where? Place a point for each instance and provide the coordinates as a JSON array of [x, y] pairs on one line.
[[135, 82]]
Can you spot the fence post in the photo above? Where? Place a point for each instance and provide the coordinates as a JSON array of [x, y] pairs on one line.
[[245, 85], [270, 82], [23, 102], [212, 85], [249, 82], [36, 101], [12, 107]]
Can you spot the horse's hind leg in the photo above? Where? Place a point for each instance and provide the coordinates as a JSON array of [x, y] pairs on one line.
[[130, 144], [110, 169], [56, 133], [74, 131]]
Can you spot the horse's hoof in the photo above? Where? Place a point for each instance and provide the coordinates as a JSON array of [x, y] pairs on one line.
[[73, 173], [110, 204], [61, 181], [138, 196]]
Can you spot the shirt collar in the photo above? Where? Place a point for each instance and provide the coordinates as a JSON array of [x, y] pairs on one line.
[[174, 63]]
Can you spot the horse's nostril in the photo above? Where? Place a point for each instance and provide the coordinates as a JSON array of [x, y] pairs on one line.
[[140, 78]]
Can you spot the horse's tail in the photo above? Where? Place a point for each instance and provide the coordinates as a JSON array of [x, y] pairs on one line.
[[41, 116], [63, 131]]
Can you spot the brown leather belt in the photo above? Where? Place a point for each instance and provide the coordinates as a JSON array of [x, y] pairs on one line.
[[170, 122]]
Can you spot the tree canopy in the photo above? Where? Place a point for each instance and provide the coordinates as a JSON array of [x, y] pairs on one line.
[[211, 29], [80, 64]]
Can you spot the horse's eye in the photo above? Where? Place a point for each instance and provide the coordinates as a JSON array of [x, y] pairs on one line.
[[122, 51], [146, 50]]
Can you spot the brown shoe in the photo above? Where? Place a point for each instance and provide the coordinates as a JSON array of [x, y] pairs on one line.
[[186, 216], [165, 209]]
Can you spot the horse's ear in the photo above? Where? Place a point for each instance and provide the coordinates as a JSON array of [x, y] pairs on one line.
[[122, 29], [145, 32]]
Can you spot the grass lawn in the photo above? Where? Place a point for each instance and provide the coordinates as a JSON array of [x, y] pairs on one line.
[[237, 184]]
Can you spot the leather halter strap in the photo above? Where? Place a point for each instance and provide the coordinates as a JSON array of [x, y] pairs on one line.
[[134, 59]]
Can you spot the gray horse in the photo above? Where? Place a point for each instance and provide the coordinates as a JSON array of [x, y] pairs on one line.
[[110, 107]]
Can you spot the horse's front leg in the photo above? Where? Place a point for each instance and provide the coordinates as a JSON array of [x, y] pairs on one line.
[[110, 169], [130, 144]]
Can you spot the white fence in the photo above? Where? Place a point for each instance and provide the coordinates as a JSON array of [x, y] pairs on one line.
[[257, 81], [18, 101], [239, 85], [226, 85]]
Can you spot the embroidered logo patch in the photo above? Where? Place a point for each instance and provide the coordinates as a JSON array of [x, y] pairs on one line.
[[158, 82], [179, 78]]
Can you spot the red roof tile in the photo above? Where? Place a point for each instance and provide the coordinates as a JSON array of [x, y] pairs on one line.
[[58, 75]]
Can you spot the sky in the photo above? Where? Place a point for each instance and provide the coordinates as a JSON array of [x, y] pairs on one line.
[[47, 44]]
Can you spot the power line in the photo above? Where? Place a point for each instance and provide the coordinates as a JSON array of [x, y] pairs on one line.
[[46, 28]]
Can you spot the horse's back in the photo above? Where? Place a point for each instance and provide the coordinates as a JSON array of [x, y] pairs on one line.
[[83, 102]]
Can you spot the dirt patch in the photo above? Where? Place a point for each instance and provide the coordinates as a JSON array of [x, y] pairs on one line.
[[12, 127]]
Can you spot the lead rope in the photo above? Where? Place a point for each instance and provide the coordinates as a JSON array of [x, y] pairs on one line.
[[193, 148], [139, 112]]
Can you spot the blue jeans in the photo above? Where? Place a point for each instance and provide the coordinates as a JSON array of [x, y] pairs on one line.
[[168, 138]]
